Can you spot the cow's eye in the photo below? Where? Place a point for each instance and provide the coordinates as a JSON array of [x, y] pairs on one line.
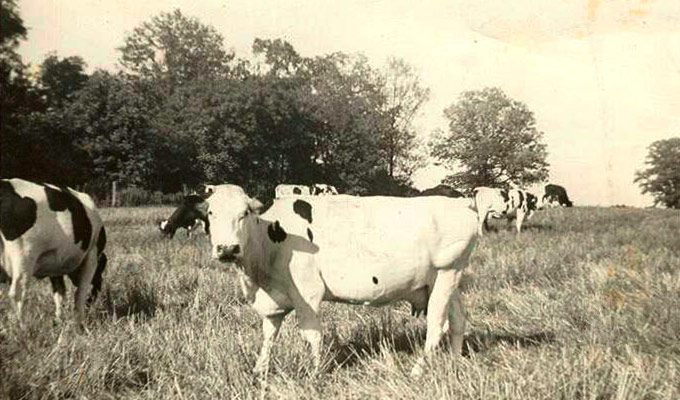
[[210, 213]]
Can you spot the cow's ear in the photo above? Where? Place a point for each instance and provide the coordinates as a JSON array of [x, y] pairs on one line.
[[255, 205]]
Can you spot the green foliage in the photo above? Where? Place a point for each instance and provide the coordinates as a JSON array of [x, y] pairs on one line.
[[61, 79], [492, 141], [111, 119], [172, 50], [661, 178]]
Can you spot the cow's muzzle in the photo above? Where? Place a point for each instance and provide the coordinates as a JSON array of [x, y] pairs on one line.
[[227, 253]]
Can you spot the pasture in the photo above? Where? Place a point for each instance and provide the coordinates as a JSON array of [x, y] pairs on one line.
[[584, 304]]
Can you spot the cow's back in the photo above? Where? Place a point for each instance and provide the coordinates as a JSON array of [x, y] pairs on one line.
[[373, 248]]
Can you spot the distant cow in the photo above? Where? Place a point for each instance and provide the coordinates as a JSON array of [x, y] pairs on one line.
[[318, 189], [190, 215], [521, 205], [442, 190], [489, 202], [356, 250], [50, 231], [556, 194]]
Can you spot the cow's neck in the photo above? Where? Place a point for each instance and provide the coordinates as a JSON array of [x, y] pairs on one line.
[[256, 252]]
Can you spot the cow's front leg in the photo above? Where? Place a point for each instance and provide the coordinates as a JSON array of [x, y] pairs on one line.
[[17, 291], [310, 328], [270, 330]]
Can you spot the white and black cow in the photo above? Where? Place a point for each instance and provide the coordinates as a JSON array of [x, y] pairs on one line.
[[489, 202], [357, 250], [521, 205], [441, 190], [190, 215], [318, 189], [556, 195], [50, 231]]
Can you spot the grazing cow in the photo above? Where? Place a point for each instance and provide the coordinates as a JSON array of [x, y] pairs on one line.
[[556, 194], [318, 189], [492, 202], [442, 190], [189, 215], [521, 205], [357, 250], [50, 231]]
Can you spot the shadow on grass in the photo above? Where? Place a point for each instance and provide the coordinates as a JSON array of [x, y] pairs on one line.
[[350, 353], [137, 302]]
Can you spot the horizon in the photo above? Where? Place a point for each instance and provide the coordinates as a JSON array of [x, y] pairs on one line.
[[602, 79]]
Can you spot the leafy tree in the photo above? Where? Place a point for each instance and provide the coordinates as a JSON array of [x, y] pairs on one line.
[[172, 50], [404, 95], [60, 79], [492, 141], [111, 119], [661, 178]]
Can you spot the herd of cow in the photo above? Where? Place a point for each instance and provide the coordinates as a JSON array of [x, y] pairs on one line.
[[311, 245]]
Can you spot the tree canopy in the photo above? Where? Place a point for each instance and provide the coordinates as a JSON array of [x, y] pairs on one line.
[[661, 177], [492, 141]]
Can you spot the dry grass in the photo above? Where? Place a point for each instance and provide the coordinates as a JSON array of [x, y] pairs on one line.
[[585, 304]]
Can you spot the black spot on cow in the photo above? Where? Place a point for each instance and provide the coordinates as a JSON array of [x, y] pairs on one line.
[[504, 193], [62, 199], [297, 190], [375, 280], [310, 235], [531, 201], [303, 209], [101, 241], [521, 198], [276, 233], [17, 213]]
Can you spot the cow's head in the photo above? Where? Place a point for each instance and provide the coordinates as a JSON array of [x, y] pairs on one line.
[[231, 213]]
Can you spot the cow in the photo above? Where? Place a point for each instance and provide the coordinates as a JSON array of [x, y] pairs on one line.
[[556, 194], [356, 250], [51, 231], [318, 189], [521, 205], [442, 190], [489, 202], [189, 215]]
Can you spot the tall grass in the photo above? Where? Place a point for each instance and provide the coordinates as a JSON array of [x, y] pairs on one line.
[[584, 304]]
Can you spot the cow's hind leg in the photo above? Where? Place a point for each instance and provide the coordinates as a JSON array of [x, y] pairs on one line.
[[457, 322], [87, 271], [438, 312], [17, 290], [58, 292]]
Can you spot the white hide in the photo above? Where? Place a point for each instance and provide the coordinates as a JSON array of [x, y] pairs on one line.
[[360, 250]]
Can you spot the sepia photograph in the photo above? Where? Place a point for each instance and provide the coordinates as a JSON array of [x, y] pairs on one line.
[[360, 199]]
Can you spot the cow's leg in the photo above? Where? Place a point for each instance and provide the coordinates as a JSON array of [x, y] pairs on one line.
[[308, 291], [87, 271], [17, 291], [481, 222], [58, 292], [273, 307], [310, 328], [456, 322], [270, 330], [520, 219], [437, 312]]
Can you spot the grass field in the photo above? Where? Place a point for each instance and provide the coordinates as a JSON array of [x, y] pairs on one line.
[[584, 305]]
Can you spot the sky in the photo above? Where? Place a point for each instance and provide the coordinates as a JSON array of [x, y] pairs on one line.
[[601, 76]]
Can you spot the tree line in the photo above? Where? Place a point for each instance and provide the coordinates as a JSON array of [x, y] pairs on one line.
[[183, 110]]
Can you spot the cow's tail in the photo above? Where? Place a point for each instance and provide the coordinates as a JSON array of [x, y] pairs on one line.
[[101, 266]]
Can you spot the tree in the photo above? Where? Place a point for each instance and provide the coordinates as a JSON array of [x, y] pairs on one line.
[[172, 50], [404, 95], [661, 178], [111, 119], [60, 79], [492, 141]]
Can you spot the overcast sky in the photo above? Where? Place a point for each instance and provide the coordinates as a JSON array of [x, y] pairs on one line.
[[601, 76]]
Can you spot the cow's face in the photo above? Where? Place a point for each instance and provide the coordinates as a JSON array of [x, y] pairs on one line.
[[230, 211]]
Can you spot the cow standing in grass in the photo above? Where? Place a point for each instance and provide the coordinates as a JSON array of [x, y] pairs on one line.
[[50, 231], [357, 250], [190, 215], [521, 206], [489, 202]]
